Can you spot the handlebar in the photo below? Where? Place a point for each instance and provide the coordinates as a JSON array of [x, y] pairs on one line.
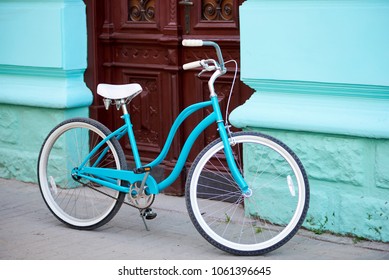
[[192, 43], [192, 65], [207, 64], [200, 43]]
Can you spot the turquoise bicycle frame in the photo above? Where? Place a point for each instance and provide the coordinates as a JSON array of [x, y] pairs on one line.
[[107, 176]]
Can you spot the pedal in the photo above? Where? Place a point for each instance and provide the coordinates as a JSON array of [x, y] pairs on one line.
[[141, 170], [149, 214]]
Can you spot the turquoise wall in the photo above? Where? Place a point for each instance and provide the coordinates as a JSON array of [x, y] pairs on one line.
[[320, 70], [43, 56]]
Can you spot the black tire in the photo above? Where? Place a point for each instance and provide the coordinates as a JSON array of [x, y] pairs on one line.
[[252, 225], [76, 202]]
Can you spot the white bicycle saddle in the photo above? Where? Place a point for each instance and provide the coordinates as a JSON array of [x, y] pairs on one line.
[[119, 91]]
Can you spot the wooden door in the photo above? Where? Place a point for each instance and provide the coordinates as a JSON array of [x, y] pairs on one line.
[[139, 41]]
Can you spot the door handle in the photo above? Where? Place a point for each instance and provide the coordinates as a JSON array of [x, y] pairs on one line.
[[187, 4]]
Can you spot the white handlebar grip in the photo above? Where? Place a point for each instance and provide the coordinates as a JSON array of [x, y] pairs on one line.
[[192, 65], [192, 43]]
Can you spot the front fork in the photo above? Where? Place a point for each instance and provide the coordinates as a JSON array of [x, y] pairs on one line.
[[225, 135]]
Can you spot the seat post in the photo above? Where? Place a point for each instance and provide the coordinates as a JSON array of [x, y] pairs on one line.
[[124, 106]]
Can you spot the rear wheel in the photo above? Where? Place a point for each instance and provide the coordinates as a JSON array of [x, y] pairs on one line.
[[78, 202], [261, 222]]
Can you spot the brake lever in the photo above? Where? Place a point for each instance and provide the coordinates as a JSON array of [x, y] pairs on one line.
[[207, 68], [202, 71]]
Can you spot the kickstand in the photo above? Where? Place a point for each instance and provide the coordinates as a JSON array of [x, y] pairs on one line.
[[147, 214], [142, 215]]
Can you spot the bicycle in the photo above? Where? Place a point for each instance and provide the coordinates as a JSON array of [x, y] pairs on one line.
[[246, 193]]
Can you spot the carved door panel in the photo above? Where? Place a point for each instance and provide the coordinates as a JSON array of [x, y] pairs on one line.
[[139, 41]]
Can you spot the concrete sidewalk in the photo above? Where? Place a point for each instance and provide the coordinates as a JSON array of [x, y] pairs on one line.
[[29, 231]]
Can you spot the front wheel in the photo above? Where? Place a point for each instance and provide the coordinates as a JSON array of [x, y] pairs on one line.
[[255, 224]]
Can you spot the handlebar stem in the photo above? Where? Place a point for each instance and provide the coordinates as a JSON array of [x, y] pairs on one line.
[[215, 75]]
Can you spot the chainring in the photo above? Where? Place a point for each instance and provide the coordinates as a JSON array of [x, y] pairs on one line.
[[137, 198]]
